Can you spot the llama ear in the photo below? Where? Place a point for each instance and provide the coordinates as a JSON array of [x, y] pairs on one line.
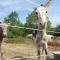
[[47, 3]]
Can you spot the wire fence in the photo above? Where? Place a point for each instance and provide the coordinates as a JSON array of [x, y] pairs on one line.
[[32, 29], [27, 28]]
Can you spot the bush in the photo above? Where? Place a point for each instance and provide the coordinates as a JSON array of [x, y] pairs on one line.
[[9, 34]]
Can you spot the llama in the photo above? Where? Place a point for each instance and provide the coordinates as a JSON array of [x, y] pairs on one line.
[[3, 34], [40, 35]]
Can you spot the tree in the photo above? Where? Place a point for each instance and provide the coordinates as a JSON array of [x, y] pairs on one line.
[[57, 29], [30, 23], [13, 19], [49, 25]]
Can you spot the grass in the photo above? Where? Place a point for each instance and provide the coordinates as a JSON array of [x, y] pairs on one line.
[[22, 40], [19, 40], [54, 43]]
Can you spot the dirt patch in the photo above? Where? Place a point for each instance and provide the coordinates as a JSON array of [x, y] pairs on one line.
[[11, 50], [24, 50]]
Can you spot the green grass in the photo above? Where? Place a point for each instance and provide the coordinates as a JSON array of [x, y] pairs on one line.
[[19, 40]]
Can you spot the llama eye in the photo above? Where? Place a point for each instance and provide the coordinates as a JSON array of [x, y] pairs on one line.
[[36, 13], [46, 12]]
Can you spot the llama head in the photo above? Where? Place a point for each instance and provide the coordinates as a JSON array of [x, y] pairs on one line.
[[41, 13]]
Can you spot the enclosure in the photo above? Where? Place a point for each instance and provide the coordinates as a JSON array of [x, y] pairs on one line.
[[17, 48]]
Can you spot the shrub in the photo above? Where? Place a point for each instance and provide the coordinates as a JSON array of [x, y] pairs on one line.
[[9, 34]]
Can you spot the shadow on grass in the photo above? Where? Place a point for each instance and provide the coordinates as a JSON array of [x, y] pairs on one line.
[[21, 58]]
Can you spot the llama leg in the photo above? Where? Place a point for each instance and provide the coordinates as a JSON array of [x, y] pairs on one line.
[[44, 52], [38, 52], [46, 48]]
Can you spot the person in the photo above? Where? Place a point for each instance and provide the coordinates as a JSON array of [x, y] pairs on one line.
[[1, 33]]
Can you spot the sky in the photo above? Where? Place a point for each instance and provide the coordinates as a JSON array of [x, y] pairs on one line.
[[25, 7]]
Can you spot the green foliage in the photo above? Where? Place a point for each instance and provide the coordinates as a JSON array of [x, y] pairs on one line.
[[9, 34], [19, 40], [31, 20], [13, 19], [49, 25], [57, 28]]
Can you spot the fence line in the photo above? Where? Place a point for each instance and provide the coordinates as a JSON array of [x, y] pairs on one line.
[[27, 28]]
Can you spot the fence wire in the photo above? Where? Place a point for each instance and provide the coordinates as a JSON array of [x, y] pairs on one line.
[[27, 28]]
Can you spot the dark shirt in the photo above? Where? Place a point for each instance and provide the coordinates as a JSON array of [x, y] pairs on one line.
[[1, 32]]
